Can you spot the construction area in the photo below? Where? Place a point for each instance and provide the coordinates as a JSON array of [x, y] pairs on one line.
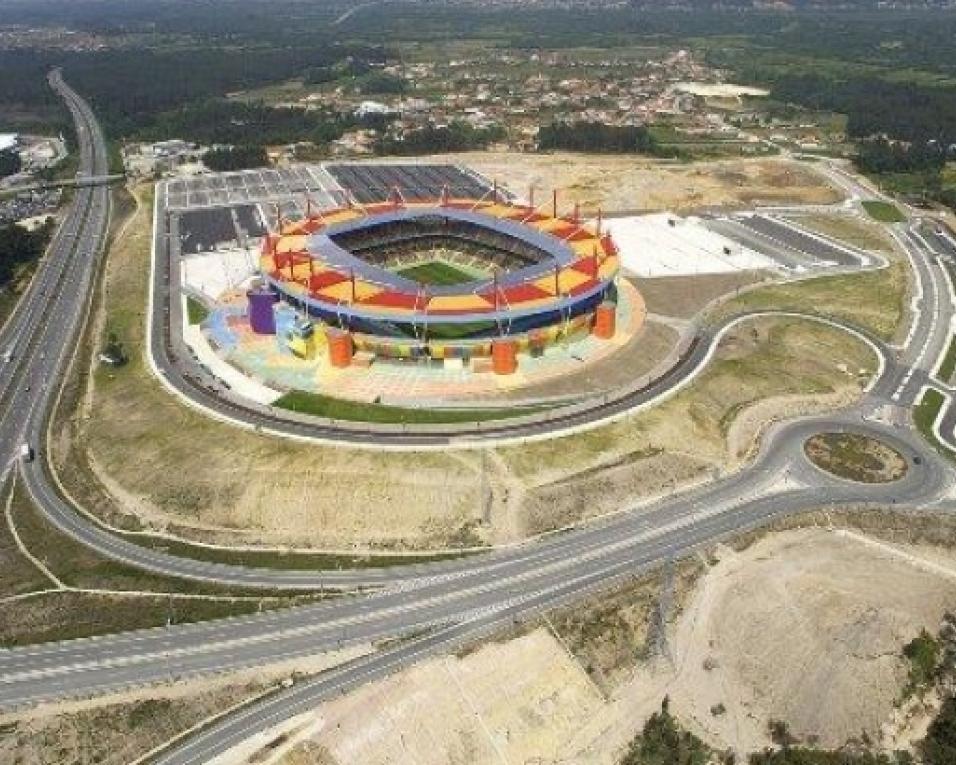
[[829, 606]]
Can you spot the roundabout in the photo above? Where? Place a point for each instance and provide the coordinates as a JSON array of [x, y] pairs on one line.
[[856, 457]]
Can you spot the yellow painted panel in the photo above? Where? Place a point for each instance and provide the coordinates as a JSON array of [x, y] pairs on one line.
[[457, 303], [299, 271], [342, 292], [585, 248], [545, 283], [290, 243], [342, 215], [569, 279]]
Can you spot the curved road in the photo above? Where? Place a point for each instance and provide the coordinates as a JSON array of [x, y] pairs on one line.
[[453, 601]]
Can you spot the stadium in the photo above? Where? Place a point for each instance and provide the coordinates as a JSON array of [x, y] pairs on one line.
[[469, 279]]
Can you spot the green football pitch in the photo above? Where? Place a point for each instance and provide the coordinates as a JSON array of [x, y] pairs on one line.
[[436, 272]]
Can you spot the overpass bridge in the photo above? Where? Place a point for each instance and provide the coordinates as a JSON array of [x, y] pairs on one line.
[[78, 182]]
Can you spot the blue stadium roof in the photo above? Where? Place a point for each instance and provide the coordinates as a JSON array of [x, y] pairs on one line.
[[558, 252]]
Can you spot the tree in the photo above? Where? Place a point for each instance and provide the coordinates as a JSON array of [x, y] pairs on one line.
[[939, 746], [596, 136], [9, 163], [664, 742], [236, 158]]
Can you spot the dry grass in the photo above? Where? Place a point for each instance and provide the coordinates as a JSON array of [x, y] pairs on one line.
[[851, 229], [613, 633], [626, 184], [874, 300], [172, 465], [856, 457], [113, 734], [769, 360]]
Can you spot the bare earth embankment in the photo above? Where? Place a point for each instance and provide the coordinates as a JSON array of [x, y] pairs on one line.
[[626, 184], [803, 626]]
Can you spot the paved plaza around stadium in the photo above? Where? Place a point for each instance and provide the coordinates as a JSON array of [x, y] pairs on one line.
[[261, 358], [294, 230]]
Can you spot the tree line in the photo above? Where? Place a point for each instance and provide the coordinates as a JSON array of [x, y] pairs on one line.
[[235, 158], [9, 163], [598, 137], [458, 136], [19, 246]]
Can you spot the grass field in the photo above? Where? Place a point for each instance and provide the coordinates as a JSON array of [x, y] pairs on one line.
[[96, 605], [874, 299], [859, 232], [948, 366], [196, 312], [436, 272], [884, 212], [339, 409], [925, 414]]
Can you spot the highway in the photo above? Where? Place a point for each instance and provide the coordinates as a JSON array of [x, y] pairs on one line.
[[452, 602], [42, 332]]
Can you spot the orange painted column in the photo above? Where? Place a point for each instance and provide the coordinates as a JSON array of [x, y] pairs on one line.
[[504, 357], [340, 347], [605, 320]]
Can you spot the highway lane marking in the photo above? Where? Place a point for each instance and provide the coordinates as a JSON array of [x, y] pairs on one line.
[[936, 306], [417, 606], [218, 739], [949, 440]]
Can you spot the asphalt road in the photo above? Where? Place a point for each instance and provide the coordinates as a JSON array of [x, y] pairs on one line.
[[41, 334], [454, 601]]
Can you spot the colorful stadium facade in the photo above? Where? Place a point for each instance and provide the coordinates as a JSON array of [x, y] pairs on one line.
[[524, 276]]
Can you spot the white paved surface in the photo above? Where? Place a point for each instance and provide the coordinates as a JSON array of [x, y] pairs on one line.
[[651, 246], [213, 273], [239, 382]]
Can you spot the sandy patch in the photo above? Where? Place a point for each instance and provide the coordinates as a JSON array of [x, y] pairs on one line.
[[629, 184], [803, 626]]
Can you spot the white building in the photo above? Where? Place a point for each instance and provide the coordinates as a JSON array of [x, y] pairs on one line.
[[9, 141]]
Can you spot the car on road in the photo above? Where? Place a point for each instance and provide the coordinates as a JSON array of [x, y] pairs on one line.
[[26, 452]]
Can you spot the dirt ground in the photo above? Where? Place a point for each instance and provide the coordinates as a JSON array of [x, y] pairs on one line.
[[684, 296], [804, 626], [628, 184]]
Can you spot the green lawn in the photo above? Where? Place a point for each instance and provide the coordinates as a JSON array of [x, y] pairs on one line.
[[436, 272], [884, 212], [339, 409], [196, 312], [949, 362], [925, 414]]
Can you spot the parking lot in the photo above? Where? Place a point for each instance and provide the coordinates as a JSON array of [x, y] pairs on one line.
[[288, 186], [370, 183]]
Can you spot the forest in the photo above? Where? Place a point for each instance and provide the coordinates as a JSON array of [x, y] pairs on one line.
[[18, 246], [597, 137], [230, 122], [458, 136], [9, 163], [236, 158]]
